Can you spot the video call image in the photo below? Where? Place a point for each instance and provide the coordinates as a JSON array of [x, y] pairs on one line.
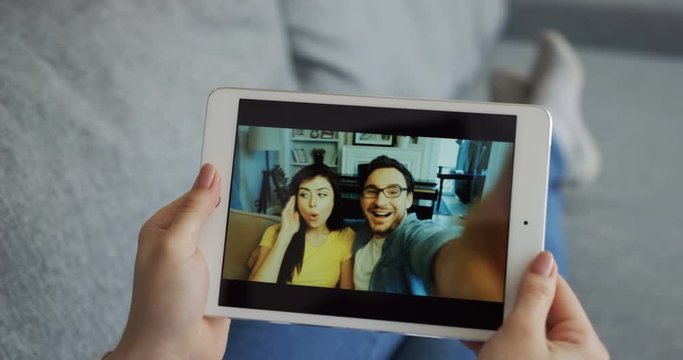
[[366, 211]]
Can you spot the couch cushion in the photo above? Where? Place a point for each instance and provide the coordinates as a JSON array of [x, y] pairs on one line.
[[245, 230], [101, 119]]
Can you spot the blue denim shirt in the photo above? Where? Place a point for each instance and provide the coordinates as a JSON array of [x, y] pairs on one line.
[[406, 265]]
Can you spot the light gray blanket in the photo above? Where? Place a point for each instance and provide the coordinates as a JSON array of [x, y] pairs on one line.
[[101, 118]]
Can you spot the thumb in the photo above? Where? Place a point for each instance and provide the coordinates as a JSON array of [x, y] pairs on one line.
[[534, 298], [194, 208]]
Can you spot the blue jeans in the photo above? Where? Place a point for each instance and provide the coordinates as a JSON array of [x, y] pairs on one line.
[[261, 340]]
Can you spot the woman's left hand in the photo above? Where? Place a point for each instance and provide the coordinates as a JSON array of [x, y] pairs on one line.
[[166, 319]]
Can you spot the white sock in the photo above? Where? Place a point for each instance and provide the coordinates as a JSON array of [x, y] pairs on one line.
[[556, 83]]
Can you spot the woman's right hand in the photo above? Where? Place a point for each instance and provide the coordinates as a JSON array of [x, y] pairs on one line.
[[547, 321], [290, 219]]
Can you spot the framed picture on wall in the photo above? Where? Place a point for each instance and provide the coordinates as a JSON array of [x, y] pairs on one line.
[[373, 139], [327, 134], [298, 133]]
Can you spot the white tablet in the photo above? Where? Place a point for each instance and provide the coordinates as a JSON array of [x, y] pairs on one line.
[[408, 216]]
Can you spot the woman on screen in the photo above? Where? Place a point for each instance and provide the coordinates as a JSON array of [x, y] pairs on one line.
[[311, 246]]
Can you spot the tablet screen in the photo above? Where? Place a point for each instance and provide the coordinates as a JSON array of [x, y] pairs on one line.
[[374, 193]]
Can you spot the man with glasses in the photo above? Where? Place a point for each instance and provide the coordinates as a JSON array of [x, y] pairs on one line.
[[395, 252]]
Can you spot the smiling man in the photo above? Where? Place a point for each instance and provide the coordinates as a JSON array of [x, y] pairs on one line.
[[395, 252]]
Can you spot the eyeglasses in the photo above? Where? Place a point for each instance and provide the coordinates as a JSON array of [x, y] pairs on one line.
[[389, 192]]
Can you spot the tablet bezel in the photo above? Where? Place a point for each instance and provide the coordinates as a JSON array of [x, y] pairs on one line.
[[527, 218]]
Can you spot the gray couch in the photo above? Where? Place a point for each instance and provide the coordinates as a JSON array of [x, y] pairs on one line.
[[101, 119]]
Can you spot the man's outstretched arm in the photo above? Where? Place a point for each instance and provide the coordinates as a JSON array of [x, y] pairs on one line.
[[472, 266]]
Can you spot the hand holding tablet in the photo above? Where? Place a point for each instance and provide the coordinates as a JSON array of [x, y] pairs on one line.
[[474, 266], [547, 321], [169, 290]]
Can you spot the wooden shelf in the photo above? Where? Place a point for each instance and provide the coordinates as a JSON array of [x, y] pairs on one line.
[[306, 164], [300, 145], [305, 139]]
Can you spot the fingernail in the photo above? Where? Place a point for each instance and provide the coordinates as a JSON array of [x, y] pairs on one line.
[[205, 177], [543, 264]]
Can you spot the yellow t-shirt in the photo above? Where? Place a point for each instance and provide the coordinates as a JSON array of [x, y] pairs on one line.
[[322, 264]]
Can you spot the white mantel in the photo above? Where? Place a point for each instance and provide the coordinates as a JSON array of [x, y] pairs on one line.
[[420, 161]]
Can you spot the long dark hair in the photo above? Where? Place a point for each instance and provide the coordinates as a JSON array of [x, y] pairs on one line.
[[294, 256]]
